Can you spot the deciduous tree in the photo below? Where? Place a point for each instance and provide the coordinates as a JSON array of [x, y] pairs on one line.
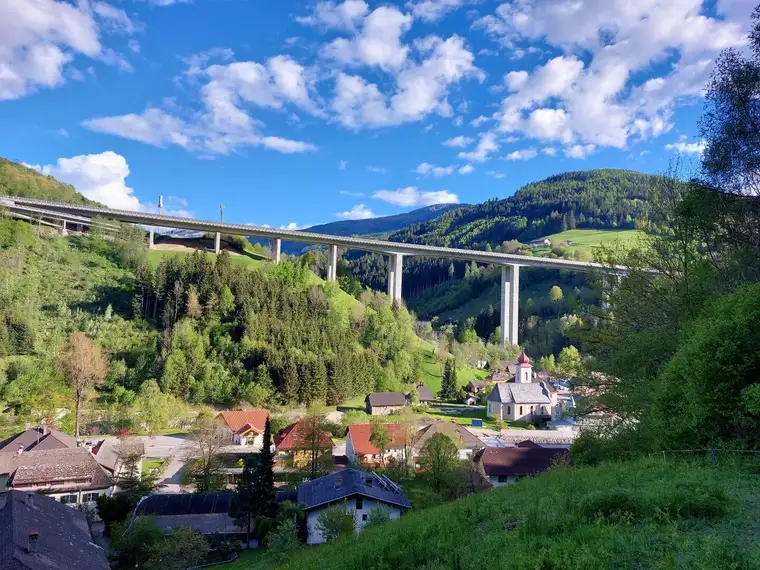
[[85, 366]]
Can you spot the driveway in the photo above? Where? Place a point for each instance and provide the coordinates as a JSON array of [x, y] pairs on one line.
[[174, 447]]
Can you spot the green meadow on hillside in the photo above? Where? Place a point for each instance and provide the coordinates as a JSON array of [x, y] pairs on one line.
[[672, 514]]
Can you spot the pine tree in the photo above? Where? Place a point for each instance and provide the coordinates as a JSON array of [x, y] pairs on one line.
[[243, 505], [265, 502], [571, 220], [449, 381]]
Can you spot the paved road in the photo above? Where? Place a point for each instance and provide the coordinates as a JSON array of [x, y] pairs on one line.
[[163, 446]]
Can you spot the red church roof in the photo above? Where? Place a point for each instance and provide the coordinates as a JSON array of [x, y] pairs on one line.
[[523, 358]]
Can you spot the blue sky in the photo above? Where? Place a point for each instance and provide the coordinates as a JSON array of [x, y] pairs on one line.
[[296, 113]]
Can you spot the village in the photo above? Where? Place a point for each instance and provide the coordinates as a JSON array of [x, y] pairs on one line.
[[313, 467]]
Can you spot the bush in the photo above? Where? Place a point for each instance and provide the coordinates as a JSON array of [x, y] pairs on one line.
[[336, 521], [613, 505]]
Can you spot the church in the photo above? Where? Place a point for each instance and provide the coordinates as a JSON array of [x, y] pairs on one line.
[[523, 397]]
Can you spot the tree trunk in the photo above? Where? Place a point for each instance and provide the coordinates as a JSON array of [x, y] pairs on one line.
[[76, 412]]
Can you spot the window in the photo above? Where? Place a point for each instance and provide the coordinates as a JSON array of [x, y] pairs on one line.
[[68, 499], [509, 410], [359, 503], [521, 410], [89, 497], [531, 409], [364, 517]]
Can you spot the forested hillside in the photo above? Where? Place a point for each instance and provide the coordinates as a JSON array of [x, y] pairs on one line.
[[606, 199], [18, 180]]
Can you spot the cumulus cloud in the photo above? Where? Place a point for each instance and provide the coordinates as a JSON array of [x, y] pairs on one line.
[[329, 15], [358, 212], [291, 226], [377, 169], [412, 196], [579, 150], [102, 177], [433, 10], [600, 100], [342, 165], [40, 38], [225, 124], [549, 151], [522, 154], [349, 193], [684, 147], [457, 142], [486, 145], [495, 174], [466, 169], [479, 120], [420, 87], [425, 168]]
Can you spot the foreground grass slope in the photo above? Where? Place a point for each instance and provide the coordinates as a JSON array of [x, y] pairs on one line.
[[646, 514]]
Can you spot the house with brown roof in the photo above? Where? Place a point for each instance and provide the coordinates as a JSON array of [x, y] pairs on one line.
[[503, 465], [296, 444], [467, 443], [39, 533], [360, 450], [244, 427], [37, 438], [115, 455], [72, 476], [424, 395], [523, 397], [384, 403]]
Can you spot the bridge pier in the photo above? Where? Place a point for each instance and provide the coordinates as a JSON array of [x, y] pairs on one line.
[[276, 250], [395, 269], [217, 242], [64, 231], [332, 262], [150, 238], [510, 296]]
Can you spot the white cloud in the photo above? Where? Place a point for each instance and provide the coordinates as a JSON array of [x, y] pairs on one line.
[[466, 169], [477, 121], [134, 45], [163, 3], [225, 123], [377, 169], [291, 226], [420, 88], [433, 10], [63, 132], [329, 15], [349, 193], [684, 147], [342, 165], [102, 177], [457, 142], [358, 212], [579, 150], [495, 174], [522, 154], [377, 44], [549, 151], [425, 168], [486, 145], [40, 38], [411, 196], [601, 100]]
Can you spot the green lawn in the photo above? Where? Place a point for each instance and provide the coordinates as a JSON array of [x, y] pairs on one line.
[[256, 559], [149, 464], [669, 515], [589, 239], [431, 370]]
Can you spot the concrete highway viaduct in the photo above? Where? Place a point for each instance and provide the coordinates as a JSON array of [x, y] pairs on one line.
[[395, 252]]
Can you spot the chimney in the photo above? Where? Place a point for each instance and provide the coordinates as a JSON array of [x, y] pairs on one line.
[[33, 536]]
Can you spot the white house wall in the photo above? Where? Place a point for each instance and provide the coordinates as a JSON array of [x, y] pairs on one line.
[[315, 537]]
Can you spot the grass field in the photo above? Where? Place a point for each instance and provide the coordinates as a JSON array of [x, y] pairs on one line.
[[431, 370], [257, 559], [587, 240], [669, 515]]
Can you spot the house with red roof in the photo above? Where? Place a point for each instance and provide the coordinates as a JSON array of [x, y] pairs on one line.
[[244, 427], [296, 445], [361, 450]]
